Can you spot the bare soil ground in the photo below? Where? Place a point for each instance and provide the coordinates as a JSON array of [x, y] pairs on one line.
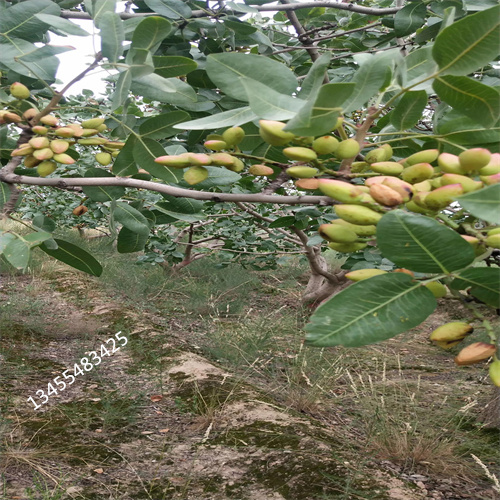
[[160, 420]]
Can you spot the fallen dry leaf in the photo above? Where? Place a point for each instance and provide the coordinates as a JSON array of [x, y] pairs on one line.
[[99, 471], [156, 397], [163, 430]]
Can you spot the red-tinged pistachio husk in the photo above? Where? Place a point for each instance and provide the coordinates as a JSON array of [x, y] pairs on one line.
[[24, 150], [262, 170], [404, 271], [215, 145], [341, 191], [426, 156], [222, 159], [467, 183], [43, 154], [385, 195], [40, 130], [59, 146], [307, 184], [29, 114], [337, 233], [64, 132], [39, 142], [64, 159], [50, 120], [356, 214], [474, 159], [174, 161], [195, 175], [80, 210], [417, 173], [475, 353], [443, 196]]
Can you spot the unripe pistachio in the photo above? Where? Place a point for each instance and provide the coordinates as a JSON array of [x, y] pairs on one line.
[[388, 151], [65, 132], [475, 353], [358, 167], [347, 149], [443, 196], [417, 173], [426, 156], [77, 129], [39, 142], [307, 184], [89, 132], [338, 123], [364, 274], [472, 240], [40, 130], [493, 166], [450, 164], [92, 123], [102, 128], [419, 198], [495, 230], [447, 345], [50, 120], [493, 241], [490, 179], [300, 154], [356, 214], [413, 207], [378, 179], [378, 155], [405, 189], [272, 132], [115, 153], [438, 289], [233, 136], [43, 154], [337, 233], [30, 161], [263, 170], [19, 91], [198, 159], [23, 150], [451, 332], [467, 183], [494, 371], [29, 114], [325, 145], [80, 210], [103, 159], [359, 230], [237, 166], [302, 172], [64, 159], [46, 168], [59, 146], [195, 175], [387, 167], [93, 141], [346, 247], [340, 190], [115, 144], [215, 145], [425, 186], [474, 159], [222, 159], [385, 195], [9, 117], [173, 161]]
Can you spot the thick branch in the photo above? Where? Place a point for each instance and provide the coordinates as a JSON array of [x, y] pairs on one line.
[[64, 183]]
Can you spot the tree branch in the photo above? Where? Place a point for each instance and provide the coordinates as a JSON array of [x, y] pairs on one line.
[[64, 183]]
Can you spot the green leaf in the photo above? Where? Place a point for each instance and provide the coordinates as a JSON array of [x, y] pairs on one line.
[[172, 66], [45, 51], [315, 78], [459, 129], [124, 163], [472, 98], [4, 194], [287, 221], [483, 204], [102, 193], [419, 65], [61, 24], [319, 115], [421, 244], [240, 27], [150, 32], [218, 176], [17, 253], [469, 43], [483, 282], [268, 104], [44, 223], [409, 110], [129, 241], [145, 152], [112, 36], [239, 7], [101, 8], [370, 78], [161, 126], [140, 62], [165, 208], [74, 256], [228, 70], [173, 9], [36, 238], [130, 218], [409, 18], [370, 311], [5, 239], [122, 89], [231, 118], [183, 205]]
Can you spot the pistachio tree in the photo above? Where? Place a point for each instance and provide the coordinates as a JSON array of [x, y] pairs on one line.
[[382, 115]]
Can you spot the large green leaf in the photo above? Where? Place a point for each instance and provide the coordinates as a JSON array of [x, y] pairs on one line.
[[101, 8], [145, 152], [74, 256], [228, 70], [36, 238], [218, 176], [44, 52], [409, 110], [409, 18], [421, 244], [472, 98], [61, 24], [131, 218], [5, 239], [44, 223], [173, 9], [231, 118], [469, 43], [122, 89], [484, 283], [419, 65], [183, 205], [268, 104], [150, 32], [112, 36], [130, 241], [161, 126], [319, 115], [315, 78], [102, 193], [484, 204], [124, 163], [172, 66], [459, 129], [372, 310], [4, 194], [17, 253], [166, 209]]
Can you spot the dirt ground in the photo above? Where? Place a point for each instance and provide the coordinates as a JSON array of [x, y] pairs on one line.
[[159, 420]]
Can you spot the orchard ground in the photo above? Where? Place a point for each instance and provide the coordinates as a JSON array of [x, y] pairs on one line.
[[214, 396]]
